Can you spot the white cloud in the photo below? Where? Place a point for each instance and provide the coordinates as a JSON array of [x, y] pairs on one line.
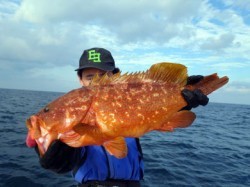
[[221, 42], [121, 17], [103, 11], [7, 8], [52, 25], [243, 4], [229, 65], [239, 87]]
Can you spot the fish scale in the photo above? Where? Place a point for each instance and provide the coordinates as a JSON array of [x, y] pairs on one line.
[[138, 110]]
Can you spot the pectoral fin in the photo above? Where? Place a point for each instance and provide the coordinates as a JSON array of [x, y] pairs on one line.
[[116, 147], [181, 119]]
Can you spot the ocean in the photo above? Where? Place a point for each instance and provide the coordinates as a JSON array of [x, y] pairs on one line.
[[214, 151]]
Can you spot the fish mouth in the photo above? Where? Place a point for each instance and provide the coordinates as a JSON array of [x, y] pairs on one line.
[[37, 135], [30, 141], [43, 144]]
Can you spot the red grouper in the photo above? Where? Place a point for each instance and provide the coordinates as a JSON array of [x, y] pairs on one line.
[[112, 108]]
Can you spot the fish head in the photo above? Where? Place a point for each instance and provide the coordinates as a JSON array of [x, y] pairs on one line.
[[55, 120], [46, 126]]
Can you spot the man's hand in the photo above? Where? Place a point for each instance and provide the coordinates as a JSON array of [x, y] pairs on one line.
[[196, 97], [59, 157]]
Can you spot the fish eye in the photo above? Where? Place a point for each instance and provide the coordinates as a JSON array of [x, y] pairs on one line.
[[46, 109]]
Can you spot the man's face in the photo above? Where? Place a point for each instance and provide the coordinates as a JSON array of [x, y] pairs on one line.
[[89, 73]]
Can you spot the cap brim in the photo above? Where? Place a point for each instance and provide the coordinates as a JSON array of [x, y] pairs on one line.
[[106, 68]]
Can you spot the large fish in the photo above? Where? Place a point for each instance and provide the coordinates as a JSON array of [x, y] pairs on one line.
[[112, 108]]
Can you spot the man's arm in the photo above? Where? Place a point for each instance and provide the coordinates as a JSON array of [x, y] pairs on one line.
[[59, 157]]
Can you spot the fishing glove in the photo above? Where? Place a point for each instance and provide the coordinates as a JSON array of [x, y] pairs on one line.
[[196, 97], [59, 157]]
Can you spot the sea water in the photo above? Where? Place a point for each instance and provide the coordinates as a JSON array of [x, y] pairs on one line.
[[214, 151]]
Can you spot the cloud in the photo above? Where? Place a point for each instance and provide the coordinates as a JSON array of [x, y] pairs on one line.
[[104, 11], [49, 29], [44, 38], [242, 4], [120, 18], [240, 87], [220, 43]]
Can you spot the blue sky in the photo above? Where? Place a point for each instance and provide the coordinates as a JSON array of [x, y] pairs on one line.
[[42, 41]]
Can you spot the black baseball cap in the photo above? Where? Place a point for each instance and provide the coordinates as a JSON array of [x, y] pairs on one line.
[[99, 58]]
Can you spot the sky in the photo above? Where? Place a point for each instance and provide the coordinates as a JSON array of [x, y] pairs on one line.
[[42, 41]]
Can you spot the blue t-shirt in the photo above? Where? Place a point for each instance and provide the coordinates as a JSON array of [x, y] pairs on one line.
[[99, 165]]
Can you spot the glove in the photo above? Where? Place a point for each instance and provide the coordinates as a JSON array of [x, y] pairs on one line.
[[59, 157], [196, 97], [194, 79]]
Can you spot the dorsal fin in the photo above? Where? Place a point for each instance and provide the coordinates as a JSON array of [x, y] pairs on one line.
[[160, 72], [168, 72]]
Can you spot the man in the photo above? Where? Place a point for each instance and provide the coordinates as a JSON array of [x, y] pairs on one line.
[[92, 165]]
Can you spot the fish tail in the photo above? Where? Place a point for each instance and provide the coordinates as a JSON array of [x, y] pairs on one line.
[[209, 84]]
